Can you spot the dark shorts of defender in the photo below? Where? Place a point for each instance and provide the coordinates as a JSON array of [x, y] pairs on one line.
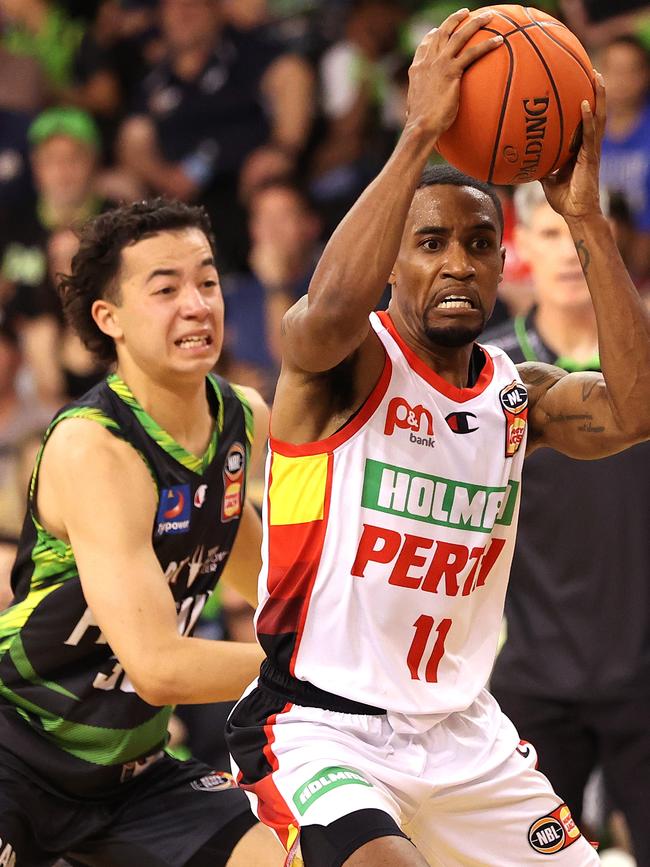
[[175, 814]]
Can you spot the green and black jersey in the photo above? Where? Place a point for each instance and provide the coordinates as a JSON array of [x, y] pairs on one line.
[[67, 708]]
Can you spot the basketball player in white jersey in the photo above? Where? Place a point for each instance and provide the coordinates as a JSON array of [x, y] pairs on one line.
[[393, 488]]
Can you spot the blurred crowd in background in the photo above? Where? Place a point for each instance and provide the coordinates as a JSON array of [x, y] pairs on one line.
[[273, 114]]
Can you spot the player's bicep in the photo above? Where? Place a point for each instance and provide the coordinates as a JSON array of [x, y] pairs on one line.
[[571, 413], [317, 336]]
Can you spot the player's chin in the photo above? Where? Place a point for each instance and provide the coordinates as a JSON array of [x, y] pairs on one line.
[[454, 331]]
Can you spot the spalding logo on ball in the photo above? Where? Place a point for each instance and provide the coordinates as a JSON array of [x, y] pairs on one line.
[[519, 117]]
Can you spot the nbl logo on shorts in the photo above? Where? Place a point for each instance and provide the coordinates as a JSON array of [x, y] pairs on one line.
[[174, 510], [553, 832]]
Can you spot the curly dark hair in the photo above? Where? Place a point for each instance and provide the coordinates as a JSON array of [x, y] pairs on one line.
[[96, 264]]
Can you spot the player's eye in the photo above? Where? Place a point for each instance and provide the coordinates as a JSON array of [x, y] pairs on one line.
[[432, 244], [482, 243]]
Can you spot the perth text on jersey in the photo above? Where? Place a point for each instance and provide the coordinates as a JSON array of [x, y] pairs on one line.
[[436, 500]]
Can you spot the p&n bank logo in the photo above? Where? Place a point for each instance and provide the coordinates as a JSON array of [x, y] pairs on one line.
[[174, 510], [415, 419]]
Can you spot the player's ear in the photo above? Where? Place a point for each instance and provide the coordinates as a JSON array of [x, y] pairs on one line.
[[502, 253], [105, 315]]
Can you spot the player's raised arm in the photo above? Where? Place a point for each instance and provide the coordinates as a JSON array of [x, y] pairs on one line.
[[328, 324], [586, 415], [122, 580]]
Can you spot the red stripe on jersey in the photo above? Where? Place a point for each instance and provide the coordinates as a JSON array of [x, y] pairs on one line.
[[460, 395], [348, 430]]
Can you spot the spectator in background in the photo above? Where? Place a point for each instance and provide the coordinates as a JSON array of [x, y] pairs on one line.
[[18, 417], [356, 80], [284, 232], [64, 148], [595, 22], [625, 165], [223, 102], [574, 674]]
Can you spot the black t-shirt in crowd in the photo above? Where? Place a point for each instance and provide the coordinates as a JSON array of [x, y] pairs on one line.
[[578, 604], [220, 115]]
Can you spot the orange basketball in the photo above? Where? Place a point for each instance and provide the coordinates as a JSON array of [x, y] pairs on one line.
[[519, 117]]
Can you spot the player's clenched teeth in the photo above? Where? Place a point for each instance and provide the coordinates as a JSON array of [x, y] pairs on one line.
[[456, 301]]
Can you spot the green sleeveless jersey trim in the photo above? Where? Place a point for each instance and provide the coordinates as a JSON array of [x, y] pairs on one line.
[[161, 436]]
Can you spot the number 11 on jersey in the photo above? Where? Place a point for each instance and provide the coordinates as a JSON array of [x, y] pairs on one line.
[[423, 627]]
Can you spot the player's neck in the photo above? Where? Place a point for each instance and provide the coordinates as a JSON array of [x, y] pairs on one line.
[[571, 333], [180, 408]]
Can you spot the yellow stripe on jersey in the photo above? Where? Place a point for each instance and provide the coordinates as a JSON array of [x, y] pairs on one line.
[[297, 492]]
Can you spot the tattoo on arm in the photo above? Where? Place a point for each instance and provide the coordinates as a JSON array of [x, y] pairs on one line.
[[586, 418], [583, 254]]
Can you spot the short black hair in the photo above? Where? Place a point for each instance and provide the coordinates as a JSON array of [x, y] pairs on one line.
[[97, 262], [448, 175]]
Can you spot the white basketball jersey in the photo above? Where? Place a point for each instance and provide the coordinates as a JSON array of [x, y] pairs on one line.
[[388, 545]]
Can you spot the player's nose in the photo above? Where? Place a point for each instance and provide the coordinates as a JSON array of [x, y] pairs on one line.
[[458, 262], [194, 305]]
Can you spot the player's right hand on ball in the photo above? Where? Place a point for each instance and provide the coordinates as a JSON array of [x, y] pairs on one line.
[[438, 65]]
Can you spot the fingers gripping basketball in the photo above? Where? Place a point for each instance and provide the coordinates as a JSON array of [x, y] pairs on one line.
[[519, 117]]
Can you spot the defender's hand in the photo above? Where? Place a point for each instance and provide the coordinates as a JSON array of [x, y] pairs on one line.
[[574, 191], [438, 65]]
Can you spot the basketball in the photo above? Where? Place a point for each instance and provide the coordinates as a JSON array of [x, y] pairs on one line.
[[519, 117]]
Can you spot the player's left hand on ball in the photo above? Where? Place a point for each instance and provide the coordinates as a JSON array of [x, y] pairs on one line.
[[574, 191]]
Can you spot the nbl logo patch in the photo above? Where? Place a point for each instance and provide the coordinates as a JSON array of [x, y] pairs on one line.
[[553, 832], [514, 402], [217, 781], [233, 482], [174, 510]]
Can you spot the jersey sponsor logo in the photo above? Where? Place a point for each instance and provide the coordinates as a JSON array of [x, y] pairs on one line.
[[7, 854], [460, 422], [436, 500], [199, 496], [217, 781], [417, 419], [174, 510], [422, 563], [514, 402], [324, 781], [553, 832]]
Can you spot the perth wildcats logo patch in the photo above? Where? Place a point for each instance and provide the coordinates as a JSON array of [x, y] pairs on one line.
[[514, 402], [554, 832]]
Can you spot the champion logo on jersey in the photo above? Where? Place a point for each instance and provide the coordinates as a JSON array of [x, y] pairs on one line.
[[462, 422], [416, 419], [174, 510]]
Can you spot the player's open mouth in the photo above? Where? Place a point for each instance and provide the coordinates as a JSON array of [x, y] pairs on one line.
[[194, 341], [456, 302]]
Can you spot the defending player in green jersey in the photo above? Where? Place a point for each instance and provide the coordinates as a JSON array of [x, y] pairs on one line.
[[137, 507]]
